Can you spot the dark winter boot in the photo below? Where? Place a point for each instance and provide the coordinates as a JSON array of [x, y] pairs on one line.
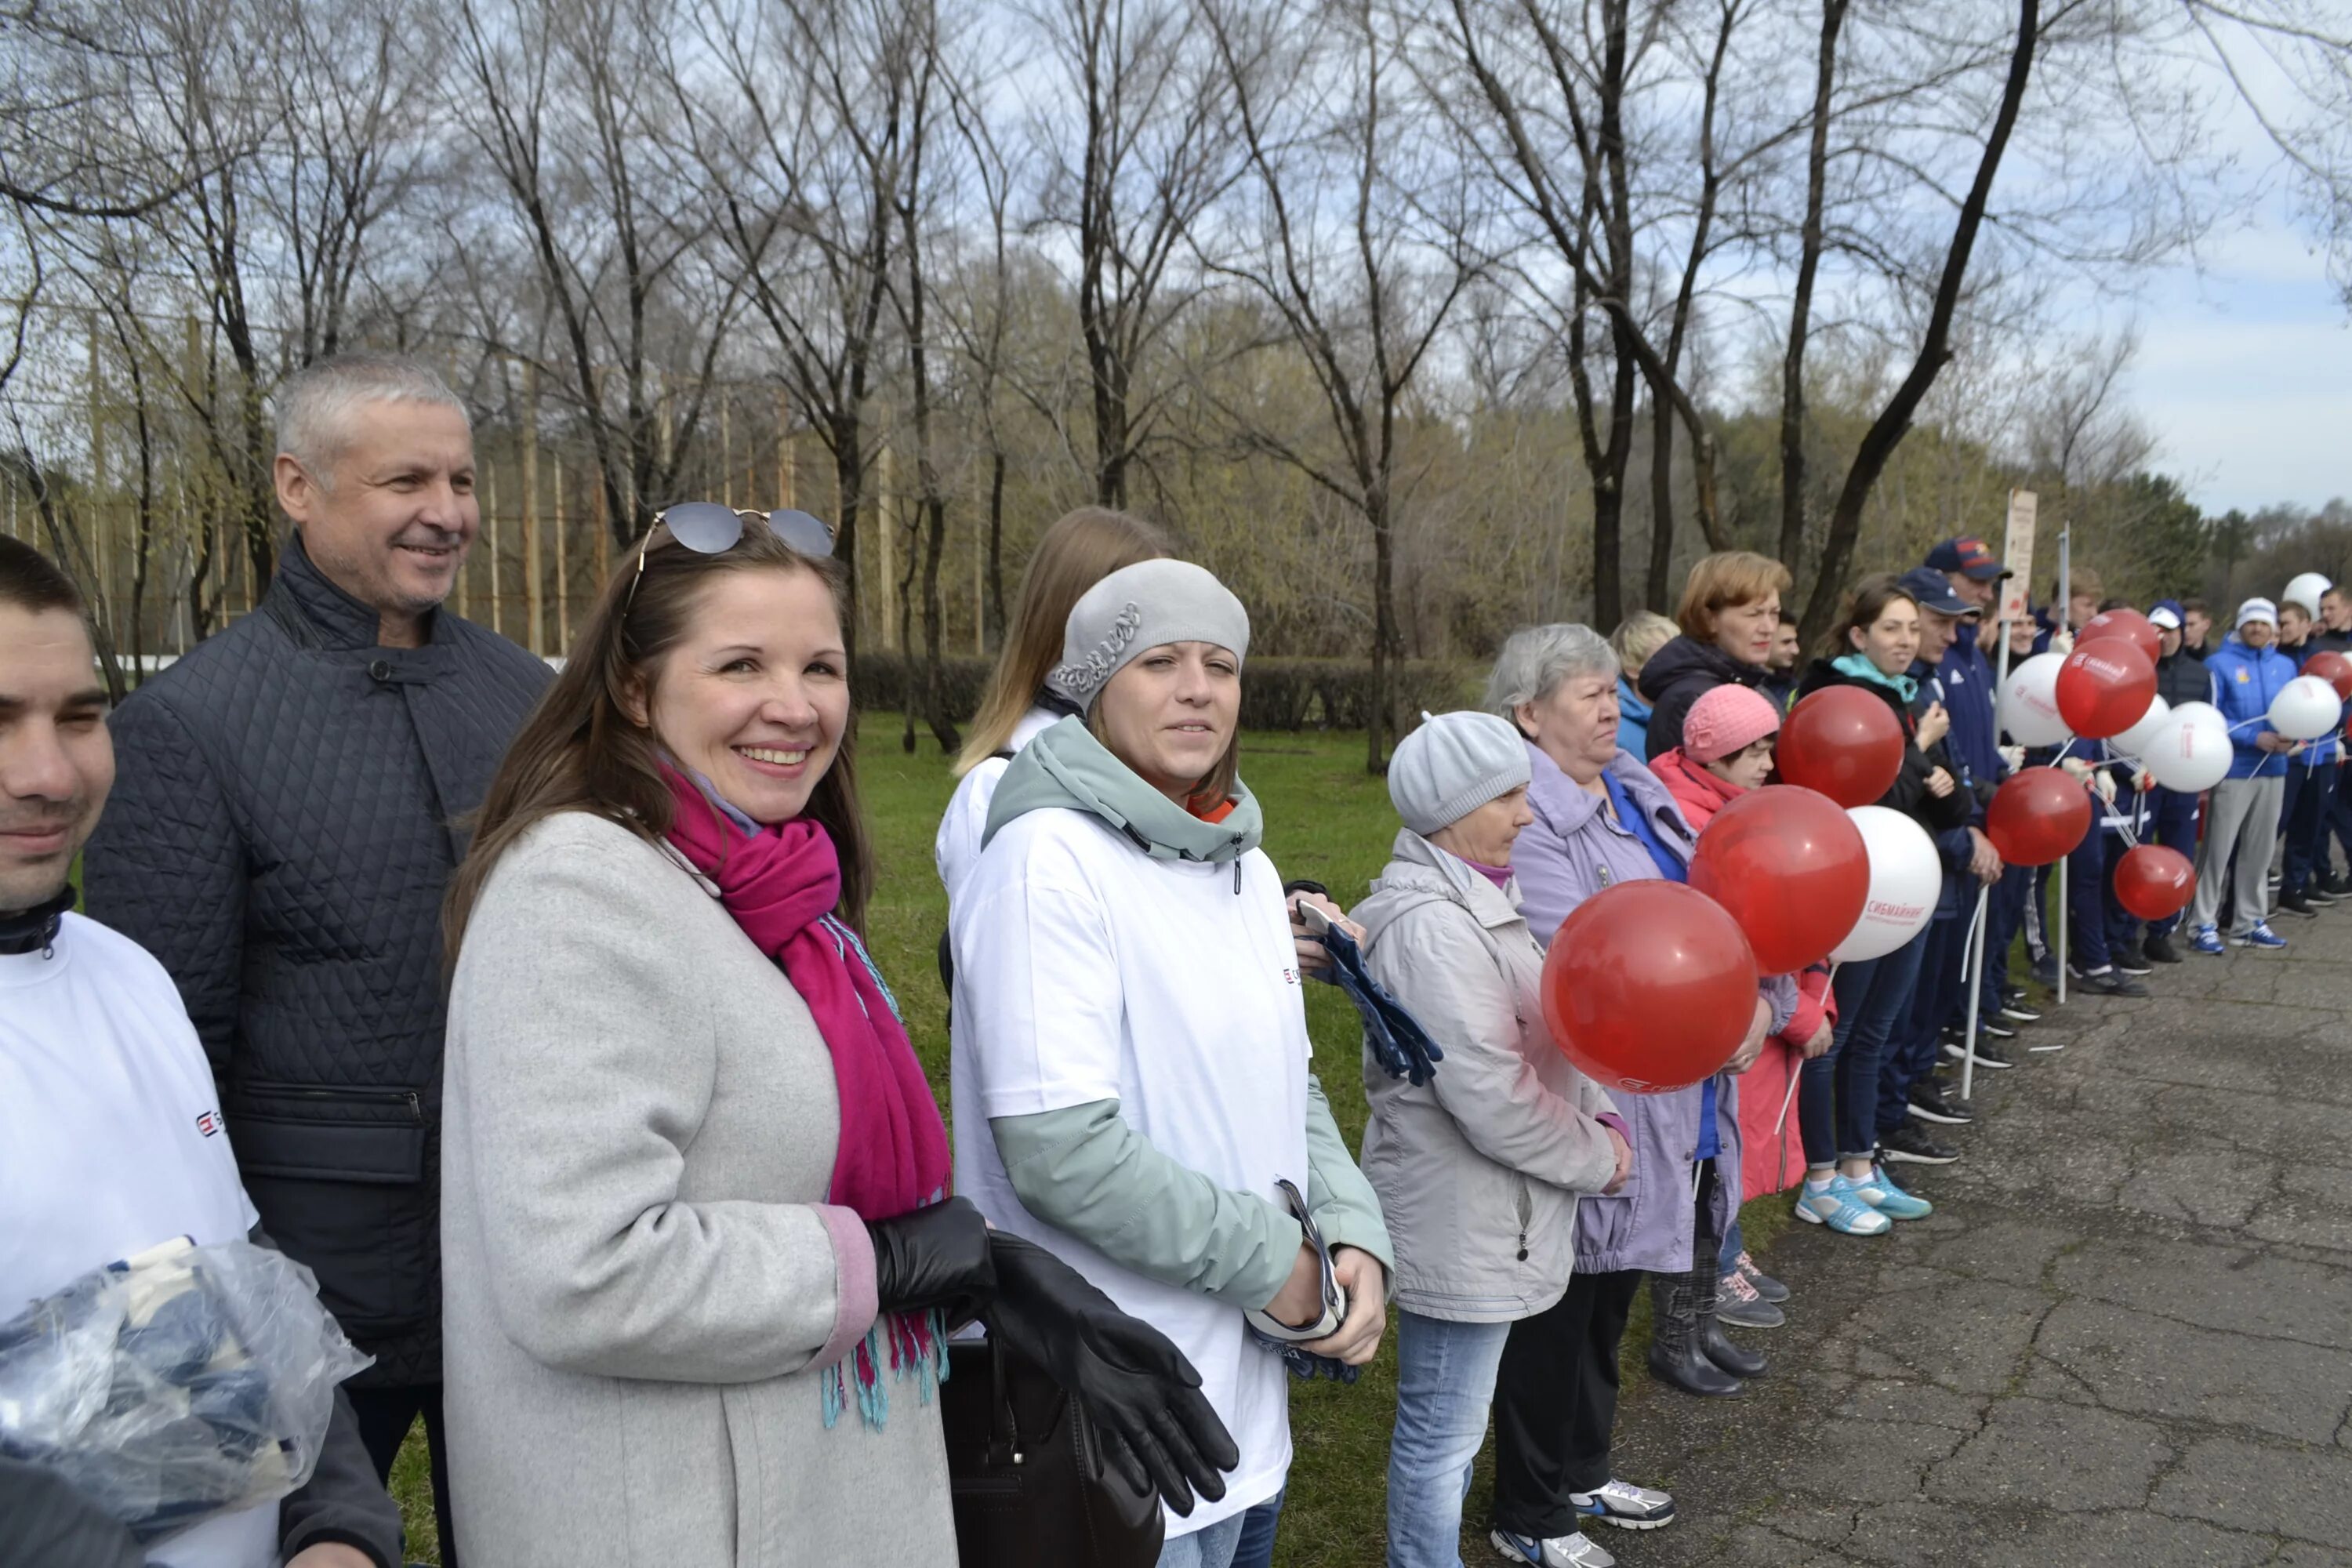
[[1676, 1357]]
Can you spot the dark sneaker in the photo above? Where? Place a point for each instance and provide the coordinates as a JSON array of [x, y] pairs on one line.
[[1928, 1103], [1910, 1142], [2133, 960], [1771, 1290], [2294, 904], [2107, 983], [1996, 1031], [2017, 1012], [2339, 885], [1988, 1054], [2160, 949], [1743, 1306], [2318, 894], [2045, 969]]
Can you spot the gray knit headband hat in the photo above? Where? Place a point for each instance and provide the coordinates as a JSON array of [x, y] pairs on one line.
[[1139, 607]]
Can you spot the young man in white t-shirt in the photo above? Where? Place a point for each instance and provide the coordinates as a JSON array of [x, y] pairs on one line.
[[111, 1135]]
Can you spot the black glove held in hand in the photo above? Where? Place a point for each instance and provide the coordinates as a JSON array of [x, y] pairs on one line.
[[935, 1257], [1142, 1396]]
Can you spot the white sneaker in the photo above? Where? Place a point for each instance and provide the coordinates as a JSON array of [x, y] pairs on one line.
[[1558, 1551]]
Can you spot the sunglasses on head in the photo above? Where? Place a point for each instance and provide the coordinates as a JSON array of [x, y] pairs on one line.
[[707, 528]]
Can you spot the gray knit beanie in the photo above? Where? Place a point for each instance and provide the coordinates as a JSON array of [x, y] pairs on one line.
[[1452, 765], [1139, 607]]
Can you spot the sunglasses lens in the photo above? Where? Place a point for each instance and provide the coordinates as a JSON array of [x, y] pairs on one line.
[[703, 526], [801, 531]]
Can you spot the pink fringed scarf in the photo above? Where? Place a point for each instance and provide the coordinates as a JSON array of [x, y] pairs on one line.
[[781, 885]]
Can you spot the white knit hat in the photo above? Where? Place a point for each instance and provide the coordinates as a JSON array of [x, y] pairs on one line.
[[1139, 607], [2257, 610], [1452, 765]]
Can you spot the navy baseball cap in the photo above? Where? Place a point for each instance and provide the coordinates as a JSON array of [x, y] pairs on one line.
[[1972, 556], [2167, 616], [1933, 591]]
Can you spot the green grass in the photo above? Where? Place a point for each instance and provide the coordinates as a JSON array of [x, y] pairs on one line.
[[1326, 820]]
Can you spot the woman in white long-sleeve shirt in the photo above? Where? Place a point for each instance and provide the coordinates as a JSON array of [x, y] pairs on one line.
[[1081, 549]]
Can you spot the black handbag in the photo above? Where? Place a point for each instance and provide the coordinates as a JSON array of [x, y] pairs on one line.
[[1027, 1473]]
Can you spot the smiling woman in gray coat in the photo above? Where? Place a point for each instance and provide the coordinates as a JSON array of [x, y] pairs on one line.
[[1478, 1170]]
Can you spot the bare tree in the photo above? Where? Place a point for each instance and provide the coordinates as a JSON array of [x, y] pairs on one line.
[[1332, 236], [1150, 146]]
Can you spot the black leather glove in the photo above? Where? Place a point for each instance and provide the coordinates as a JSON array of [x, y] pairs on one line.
[[935, 1257], [1142, 1396]]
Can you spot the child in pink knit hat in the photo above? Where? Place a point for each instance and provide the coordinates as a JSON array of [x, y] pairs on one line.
[[1730, 732]]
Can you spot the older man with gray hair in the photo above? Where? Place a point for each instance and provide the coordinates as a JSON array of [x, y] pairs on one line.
[[290, 805]]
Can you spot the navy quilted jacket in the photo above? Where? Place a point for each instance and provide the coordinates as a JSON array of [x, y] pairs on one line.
[[285, 816]]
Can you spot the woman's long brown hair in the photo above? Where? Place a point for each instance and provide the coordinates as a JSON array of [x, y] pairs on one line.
[[1864, 604], [580, 751], [1081, 549]]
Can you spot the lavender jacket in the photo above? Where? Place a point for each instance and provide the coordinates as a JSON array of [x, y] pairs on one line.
[[1572, 852]]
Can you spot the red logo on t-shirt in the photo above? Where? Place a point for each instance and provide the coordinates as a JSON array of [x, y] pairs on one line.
[[208, 1123]]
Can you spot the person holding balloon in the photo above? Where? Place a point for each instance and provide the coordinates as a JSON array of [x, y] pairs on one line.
[[1726, 755], [1479, 1170], [1873, 647], [2180, 678], [1602, 821], [2248, 674], [2310, 784]]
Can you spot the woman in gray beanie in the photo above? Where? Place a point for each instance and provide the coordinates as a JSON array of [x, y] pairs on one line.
[[1129, 1028], [1478, 1170]]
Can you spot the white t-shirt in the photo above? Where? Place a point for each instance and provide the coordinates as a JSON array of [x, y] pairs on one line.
[[957, 848], [111, 1141], [1087, 971]]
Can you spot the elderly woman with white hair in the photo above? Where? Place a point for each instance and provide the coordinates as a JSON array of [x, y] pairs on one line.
[[1479, 1168], [1600, 818]]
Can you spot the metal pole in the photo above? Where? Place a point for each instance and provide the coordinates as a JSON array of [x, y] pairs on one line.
[[2064, 607]]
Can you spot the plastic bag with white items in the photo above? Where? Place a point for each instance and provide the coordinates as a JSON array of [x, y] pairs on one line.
[[184, 1383]]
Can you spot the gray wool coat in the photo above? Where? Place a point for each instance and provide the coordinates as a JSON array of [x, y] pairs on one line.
[[1479, 1170], [642, 1284]]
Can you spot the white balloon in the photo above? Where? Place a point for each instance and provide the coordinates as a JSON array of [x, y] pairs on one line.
[[2204, 713], [1905, 881], [2306, 590], [2029, 703], [2186, 755], [2132, 742], [2305, 708]]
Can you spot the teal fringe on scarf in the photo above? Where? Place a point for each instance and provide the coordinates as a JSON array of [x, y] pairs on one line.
[[918, 1347]]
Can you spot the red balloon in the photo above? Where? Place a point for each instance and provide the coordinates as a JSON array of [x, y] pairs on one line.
[[2129, 624], [2105, 687], [2332, 667], [1790, 866], [2038, 816], [1649, 986], [2155, 883], [1844, 742]]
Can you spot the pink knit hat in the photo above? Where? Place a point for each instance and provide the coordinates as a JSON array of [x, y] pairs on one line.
[[1727, 719]]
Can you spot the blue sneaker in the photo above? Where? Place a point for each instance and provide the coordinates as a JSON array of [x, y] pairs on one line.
[[2208, 940], [2261, 936], [1889, 1199], [1840, 1208], [1572, 1551]]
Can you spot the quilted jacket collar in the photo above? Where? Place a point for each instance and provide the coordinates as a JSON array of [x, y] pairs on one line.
[[342, 621]]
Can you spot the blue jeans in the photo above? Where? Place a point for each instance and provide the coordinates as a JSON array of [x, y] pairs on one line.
[[1837, 1092], [1256, 1547], [1445, 1382], [1209, 1548]]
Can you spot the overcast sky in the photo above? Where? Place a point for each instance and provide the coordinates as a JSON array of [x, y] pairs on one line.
[[2244, 374]]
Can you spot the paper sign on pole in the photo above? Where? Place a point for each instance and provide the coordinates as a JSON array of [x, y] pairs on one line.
[[2017, 555]]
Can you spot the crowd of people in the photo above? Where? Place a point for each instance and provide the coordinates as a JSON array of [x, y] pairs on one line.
[[536, 1009]]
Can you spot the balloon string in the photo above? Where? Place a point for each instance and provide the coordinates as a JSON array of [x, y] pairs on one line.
[[1794, 1076]]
